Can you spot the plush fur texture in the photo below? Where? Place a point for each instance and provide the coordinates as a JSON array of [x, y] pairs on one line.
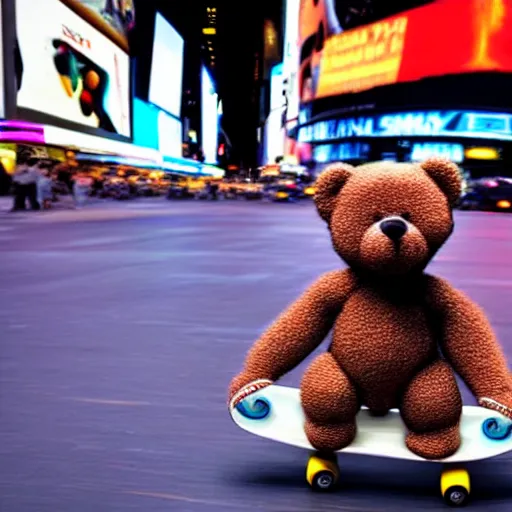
[[398, 333]]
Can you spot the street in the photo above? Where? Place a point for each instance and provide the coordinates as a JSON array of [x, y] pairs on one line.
[[122, 325]]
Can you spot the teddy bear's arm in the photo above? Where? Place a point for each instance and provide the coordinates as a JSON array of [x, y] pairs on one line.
[[470, 345], [297, 332]]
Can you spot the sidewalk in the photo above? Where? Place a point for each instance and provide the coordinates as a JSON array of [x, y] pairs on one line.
[[67, 203], [95, 210], [5, 203]]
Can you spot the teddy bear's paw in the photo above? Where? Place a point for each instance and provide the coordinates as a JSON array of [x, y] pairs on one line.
[[434, 445], [503, 406], [248, 390]]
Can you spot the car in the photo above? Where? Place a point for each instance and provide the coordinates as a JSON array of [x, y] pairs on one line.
[[309, 191], [117, 188], [144, 186], [488, 194], [250, 190], [179, 189], [282, 191]]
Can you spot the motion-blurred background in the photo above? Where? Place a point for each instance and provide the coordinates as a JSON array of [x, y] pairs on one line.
[[158, 163]]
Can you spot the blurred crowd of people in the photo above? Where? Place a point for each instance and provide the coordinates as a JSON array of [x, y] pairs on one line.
[[37, 183]]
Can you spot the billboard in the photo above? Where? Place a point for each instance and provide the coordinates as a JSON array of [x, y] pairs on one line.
[[291, 58], [277, 98], [169, 135], [119, 14], [274, 135], [451, 123], [145, 124], [153, 128], [166, 77], [444, 37], [356, 150], [113, 18], [70, 70], [209, 117]]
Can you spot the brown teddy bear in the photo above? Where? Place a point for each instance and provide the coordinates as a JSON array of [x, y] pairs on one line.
[[398, 333]]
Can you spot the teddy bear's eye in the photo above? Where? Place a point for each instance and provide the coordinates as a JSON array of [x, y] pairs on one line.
[[377, 217], [406, 216]]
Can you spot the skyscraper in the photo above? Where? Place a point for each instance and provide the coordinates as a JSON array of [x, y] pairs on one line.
[[209, 36]]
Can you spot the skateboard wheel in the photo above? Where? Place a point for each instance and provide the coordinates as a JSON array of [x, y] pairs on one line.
[[254, 409], [455, 487], [497, 429], [322, 474]]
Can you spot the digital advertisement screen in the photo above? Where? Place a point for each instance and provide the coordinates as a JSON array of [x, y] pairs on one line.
[[166, 77], [119, 14], [443, 123], [169, 135], [274, 136], [291, 58], [274, 125], [71, 70], [444, 37], [145, 124], [277, 99], [209, 117]]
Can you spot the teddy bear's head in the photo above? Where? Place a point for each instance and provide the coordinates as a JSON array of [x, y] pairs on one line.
[[387, 217]]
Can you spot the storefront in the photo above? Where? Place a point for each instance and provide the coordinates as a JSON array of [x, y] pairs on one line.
[[479, 141]]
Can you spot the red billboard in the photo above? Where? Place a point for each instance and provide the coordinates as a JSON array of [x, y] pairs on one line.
[[445, 37]]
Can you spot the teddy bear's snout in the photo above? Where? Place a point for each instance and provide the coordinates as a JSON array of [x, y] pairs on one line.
[[394, 228]]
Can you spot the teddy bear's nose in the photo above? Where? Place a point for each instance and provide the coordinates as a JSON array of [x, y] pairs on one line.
[[394, 229]]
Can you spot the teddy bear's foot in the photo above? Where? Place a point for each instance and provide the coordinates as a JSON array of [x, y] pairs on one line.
[[434, 445], [330, 437]]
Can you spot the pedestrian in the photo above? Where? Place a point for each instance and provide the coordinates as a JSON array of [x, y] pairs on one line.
[[25, 182], [208, 190], [44, 189], [214, 189], [81, 189]]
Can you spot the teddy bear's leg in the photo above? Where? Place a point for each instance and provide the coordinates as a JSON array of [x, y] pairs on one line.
[[431, 409], [330, 404]]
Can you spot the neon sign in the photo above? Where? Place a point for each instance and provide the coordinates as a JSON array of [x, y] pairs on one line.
[[346, 151], [453, 152], [453, 123]]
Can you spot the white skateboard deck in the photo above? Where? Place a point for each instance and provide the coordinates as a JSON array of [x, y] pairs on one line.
[[275, 413]]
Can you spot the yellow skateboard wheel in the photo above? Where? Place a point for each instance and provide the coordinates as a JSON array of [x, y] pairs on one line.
[[322, 474], [455, 487]]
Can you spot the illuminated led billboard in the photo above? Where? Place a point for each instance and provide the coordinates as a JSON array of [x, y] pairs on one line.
[[445, 37]]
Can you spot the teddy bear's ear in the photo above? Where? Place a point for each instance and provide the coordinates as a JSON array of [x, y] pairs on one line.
[[328, 185], [446, 176]]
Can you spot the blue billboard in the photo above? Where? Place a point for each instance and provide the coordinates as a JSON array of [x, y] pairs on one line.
[[145, 124], [451, 123]]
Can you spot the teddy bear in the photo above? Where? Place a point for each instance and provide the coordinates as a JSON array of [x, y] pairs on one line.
[[399, 334]]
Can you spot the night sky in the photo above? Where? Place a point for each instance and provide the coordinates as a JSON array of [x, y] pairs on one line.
[[239, 36]]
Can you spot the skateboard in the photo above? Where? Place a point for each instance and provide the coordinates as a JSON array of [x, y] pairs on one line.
[[275, 413]]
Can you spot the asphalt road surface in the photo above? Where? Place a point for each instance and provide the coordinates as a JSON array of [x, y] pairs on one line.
[[121, 327]]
